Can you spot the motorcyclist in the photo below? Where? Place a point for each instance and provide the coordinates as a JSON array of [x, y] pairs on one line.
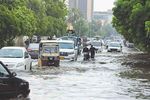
[[92, 51], [86, 53]]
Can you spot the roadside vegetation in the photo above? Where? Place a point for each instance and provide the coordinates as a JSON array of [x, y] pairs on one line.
[[132, 20], [28, 17], [93, 28]]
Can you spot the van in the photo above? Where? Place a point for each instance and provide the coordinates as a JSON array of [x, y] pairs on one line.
[[67, 50]]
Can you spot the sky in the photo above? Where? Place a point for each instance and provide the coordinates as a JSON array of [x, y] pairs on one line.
[[103, 5]]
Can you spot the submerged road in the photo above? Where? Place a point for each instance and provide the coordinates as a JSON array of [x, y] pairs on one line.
[[112, 76]]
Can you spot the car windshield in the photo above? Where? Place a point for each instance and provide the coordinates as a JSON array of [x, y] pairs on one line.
[[11, 53], [33, 46], [73, 38], [114, 45], [96, 43], [3, 71], [52, 49], [66, 45]]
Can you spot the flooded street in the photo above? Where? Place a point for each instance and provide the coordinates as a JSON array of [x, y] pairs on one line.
[[74, 49], [112, 76]]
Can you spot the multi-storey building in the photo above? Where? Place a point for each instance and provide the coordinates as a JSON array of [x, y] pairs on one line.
[[103, 16], [84, 6]]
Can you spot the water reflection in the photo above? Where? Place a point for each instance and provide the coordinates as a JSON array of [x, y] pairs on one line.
[[109, 77]]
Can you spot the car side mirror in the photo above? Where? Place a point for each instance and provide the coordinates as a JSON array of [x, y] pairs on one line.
[[26, 55], [13, 74], [121, 46], [76, 48]]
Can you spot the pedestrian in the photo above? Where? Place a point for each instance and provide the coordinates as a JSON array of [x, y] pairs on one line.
[[92, 51], [27, 42], [49, 38], [86, 53]]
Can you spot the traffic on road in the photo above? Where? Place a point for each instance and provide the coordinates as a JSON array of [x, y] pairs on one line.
[[107, 74]]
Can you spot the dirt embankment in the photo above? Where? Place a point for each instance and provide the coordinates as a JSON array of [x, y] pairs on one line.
[[137, 60]]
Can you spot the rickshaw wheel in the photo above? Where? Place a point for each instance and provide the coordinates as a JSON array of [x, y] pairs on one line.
[[56, 63]]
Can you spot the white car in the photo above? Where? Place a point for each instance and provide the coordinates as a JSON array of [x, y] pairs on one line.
[[114, 46], [129, 45], [16, 58], [67, 50], [97, 45]]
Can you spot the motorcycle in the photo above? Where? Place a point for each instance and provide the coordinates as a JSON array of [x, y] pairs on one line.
[[86, 56]]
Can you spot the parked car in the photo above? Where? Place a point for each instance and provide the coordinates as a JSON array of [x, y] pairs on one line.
[[16, 58], [114, 46], [33, 50], [11, 86], [67, 50]]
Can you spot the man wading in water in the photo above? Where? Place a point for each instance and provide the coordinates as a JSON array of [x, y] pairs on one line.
[[86, 53], [92, 51]]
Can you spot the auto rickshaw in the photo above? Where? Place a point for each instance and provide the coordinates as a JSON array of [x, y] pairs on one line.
[[49, 53]]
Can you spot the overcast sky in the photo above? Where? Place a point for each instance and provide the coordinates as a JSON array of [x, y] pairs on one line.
[[103, 5]]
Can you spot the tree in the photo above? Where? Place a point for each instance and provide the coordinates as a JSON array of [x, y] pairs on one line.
[[8, 28], [147, 28], [80, 25], [26, 21], [107, 30], [51, 16], [131, 19], [28, 17], [16, 19], [73, 15]]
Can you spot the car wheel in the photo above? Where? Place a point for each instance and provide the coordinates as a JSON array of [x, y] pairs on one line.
[[79, 52], [75, 58], [25, 67], [56, 63], [31, 66], [20, 97]]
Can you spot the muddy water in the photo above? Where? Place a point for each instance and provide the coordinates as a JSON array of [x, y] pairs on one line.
[[112, 76], [137, 71]]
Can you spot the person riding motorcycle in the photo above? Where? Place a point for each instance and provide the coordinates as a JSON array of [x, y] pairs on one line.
[[86, 53]]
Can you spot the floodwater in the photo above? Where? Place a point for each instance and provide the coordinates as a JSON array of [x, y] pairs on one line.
[[112, 76]]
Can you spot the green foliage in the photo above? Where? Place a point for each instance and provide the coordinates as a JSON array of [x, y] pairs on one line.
[[85, 28], [50, 15], [28, 17], [147, 28], [73, 15], [26, 20], [107, 30], [7, 25], [80, 25], [95, 27], [101, 28], [131, 19], [15, 19]]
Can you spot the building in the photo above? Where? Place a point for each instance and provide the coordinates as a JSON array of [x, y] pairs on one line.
[[72, 3], [85, 7], [103, 16]]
